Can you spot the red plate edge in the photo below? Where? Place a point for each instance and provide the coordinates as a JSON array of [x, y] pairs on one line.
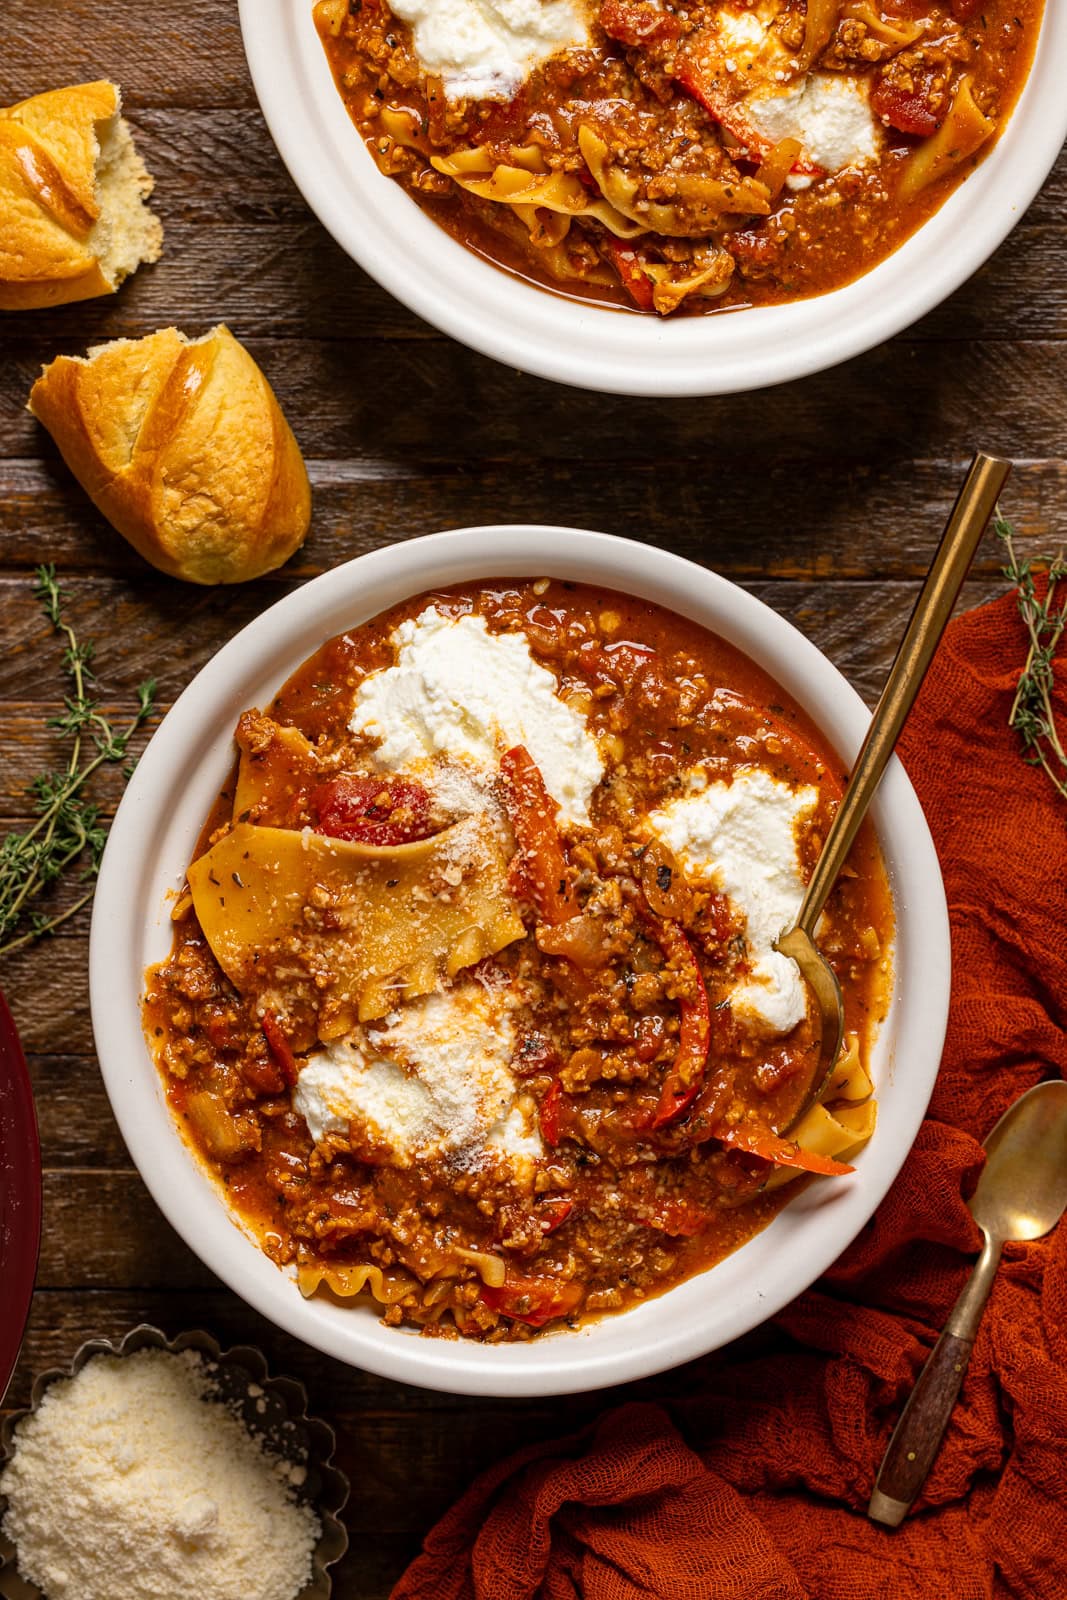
[[20, 1193]]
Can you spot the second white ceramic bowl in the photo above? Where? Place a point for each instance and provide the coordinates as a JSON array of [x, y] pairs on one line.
[[153, 838], [594, 346]]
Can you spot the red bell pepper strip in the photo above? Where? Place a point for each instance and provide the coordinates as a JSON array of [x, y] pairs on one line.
[[533, 1300], [552, 1214], [782, 1152], [375, 811], [686, 1077], [532, 813], [635, 281], [708, 92], [279, 1047]]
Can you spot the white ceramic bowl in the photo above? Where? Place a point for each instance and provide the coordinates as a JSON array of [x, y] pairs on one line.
[[152, 840], [596, 347]]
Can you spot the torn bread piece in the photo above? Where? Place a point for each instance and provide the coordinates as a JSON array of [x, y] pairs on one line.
[[183, 447], [73, 218]]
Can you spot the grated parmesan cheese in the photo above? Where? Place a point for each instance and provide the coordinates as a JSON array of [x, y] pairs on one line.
[[131, 1479], [431, 1079]]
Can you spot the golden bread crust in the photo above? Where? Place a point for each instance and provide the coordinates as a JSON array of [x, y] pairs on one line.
[[50, 199], [184, 448]]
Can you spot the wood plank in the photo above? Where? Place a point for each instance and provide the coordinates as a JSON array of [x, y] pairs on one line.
[[187, 55], [47, 987], [283, 280], [74, 1117], [845, 520], [398, 399], [101, 1230]]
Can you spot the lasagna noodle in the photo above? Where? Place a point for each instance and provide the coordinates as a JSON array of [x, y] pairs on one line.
[[819, 23], [741, 196], [526, 185], [895, 34], [351, 928], [348, 1281], [964, 130], [839, 1129], [265, 772]]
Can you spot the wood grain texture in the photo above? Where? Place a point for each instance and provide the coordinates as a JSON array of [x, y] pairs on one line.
[[824, 497]]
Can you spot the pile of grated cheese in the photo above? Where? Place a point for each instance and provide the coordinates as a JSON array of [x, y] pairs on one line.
[[132, 1480]]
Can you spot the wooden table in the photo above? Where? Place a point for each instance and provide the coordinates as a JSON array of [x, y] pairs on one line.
[[825, 498]]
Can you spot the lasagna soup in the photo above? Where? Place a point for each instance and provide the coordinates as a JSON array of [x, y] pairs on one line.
[[474, 1006], [680, 153]]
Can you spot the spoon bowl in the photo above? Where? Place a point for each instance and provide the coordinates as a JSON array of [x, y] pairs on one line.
[[1021, 1195], [1022, 1192]]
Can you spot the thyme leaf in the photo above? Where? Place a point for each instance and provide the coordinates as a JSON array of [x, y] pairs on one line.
[[67, 832], [1032, 714]]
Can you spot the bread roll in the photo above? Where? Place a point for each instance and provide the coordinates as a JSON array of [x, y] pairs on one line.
[[73, 222], [183, 447]]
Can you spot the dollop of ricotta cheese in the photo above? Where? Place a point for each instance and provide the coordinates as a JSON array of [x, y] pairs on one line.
[[432, 1079], [485, 49], [752, 52], [830, 115], [461, 692], [741, 838]]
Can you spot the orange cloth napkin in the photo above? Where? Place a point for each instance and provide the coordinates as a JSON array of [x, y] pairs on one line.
[[786, 1429]]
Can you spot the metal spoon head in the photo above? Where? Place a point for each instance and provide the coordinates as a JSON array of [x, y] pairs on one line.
[[829, 1005], [1022, 1192]]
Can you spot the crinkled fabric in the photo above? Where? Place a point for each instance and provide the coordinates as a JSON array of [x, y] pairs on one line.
[[764, 1496]]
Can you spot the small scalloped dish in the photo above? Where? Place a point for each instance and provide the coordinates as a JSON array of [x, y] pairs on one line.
[[272, 1409]]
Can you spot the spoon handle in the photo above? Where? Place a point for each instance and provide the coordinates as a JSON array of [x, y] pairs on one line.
[[916, 1437], [962, 535]]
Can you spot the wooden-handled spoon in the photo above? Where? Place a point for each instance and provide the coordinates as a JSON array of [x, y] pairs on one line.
[[963, 532], [1021, 1194]]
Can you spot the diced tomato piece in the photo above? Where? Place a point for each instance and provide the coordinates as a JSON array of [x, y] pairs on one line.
[[906, 110], [263, 1076], [638, 22], [533, 1300], [650, 1036], [552, 1214], [374, 811], [532, 812], [782, 1152], [279, 1047], [686, 1077], [628, 264]]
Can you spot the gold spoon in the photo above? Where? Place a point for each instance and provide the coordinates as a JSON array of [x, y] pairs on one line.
[[961, 538], [1021, 1194]]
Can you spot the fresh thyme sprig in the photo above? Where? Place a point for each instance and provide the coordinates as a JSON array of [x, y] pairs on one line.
[[1032, 714], [68, 827]]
